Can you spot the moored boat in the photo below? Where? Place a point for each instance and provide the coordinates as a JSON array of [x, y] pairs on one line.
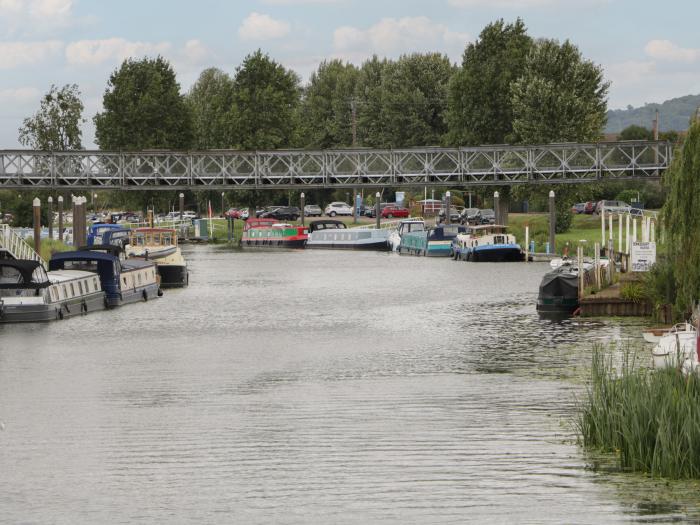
[[433, 242], [123, 282], [414, 224], [268, 233], [558, 294], [678, 348], [29, 294], [161, 246], [335, 235], [487, 243]]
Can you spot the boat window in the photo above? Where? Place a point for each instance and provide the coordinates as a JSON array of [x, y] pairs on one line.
[[124, 279], [139, 276], [80, 287], [72, 290], [10, 275], [52, 292], [94, 282], [65, 292]]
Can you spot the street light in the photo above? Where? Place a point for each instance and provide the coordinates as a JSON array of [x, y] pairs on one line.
[[222, 203]]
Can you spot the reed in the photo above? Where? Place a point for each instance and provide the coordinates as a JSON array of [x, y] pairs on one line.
[[49, 247], [649, 419]]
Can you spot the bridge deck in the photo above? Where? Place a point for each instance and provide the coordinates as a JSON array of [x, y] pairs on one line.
[[297, 169]]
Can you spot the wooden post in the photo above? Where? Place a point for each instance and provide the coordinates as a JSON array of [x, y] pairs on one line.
[[378, 209], [610, 226], [627, 236], [634, 230], [611, 260], [527, 243], [619, 233], [182, 206], [497, 206], [354, 205], [597, 264], [60, 218], [149, 219], [602, 225], [552, 223], [50, 201], [581, 280], [448, 207], [36, 208], [652, 234], [302, 200]]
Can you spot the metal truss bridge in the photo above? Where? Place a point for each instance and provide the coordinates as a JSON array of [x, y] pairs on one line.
[[345, 168]]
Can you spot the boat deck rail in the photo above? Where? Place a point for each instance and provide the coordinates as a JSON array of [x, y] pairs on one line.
[[16, 246]]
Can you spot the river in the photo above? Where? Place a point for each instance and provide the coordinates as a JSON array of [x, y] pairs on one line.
[[314, 387]]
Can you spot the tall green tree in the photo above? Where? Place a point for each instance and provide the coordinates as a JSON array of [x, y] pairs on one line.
[[479, 108], [56, 126], [681, 215], [143, 109], [371, 130], [560, 96], [266, 98], [210, 100], [327, 108], [414, 100]]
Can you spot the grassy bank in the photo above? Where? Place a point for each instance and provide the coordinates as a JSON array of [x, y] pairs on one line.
[[649, 419], [583, 227], [49, 247]]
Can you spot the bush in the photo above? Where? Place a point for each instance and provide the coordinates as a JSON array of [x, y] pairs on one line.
[[633, 291]]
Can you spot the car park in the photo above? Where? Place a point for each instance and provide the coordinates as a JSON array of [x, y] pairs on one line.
[[338, 208], [283, 213], [391, 211], [313, 210]]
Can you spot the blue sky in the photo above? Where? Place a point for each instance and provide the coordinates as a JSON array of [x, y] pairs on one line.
[[649, 50]]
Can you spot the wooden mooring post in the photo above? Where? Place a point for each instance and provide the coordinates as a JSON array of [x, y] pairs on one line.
[[36, 208]]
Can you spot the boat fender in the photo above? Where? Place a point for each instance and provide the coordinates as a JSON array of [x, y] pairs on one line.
[[83, 306], [65, 305], [60, 314], [160, 292], [106, 302], [145, 295]]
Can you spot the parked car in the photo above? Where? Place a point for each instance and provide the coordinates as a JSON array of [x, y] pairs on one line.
[[236, 213], [612, 207], [259, 212], [579, 208], [283, 213], [454, 214], [470, 216], [313, 210], [488, 216], [589, 208], [391, 211], [338, 208], [370, 211]]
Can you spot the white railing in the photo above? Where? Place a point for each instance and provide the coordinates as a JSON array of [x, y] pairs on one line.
[[16, 246]]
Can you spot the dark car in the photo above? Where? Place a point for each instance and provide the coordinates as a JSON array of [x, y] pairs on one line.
[[470, 216], [283, 213], [488, 216], [454, 214], [267, 209]]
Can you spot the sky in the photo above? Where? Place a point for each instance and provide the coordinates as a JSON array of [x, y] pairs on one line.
[[650, 51]]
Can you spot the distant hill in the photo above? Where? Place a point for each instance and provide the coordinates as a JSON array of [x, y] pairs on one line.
[[674, 114]]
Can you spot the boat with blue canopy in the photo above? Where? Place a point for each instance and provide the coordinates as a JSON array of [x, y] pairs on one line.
[[433, 242]]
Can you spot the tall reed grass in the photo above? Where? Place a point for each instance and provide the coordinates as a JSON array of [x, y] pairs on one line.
[[649, 418]]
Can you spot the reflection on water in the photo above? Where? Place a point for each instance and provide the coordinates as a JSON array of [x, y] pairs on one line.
[[314, 387]]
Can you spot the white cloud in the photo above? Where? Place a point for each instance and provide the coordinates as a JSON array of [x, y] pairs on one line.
[[666, 50], [35, 16], [392, 36], [111, 50], [302, 2], [18, 54], [19, 96], [258, 26], [195, 52], [523, 4]]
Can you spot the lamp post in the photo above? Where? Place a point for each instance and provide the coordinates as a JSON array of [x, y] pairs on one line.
[[36, 206], [496, 206], [448, 206], [302, 198], [60, 218], [222, 203], [377, 209], [182, 205], [50, 201], [552, 223]]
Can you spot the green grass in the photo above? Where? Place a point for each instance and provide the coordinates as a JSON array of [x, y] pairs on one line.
[[49, 247], [650, 420]]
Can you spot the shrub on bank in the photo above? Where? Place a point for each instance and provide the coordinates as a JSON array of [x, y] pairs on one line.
[[650, 419]]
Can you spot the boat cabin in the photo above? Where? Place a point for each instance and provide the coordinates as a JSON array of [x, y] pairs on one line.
[[315, 226], [22, 278], [153, 237]]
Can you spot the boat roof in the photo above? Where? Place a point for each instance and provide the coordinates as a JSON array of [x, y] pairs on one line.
[[326, 224], [106, 225], [85, 255], [154, 230], [26, 268], [487, 227], [58, 276], [111, 249], [255, 223]]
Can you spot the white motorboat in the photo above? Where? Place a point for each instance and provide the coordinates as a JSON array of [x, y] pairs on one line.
[[414, 224], [677, 349]]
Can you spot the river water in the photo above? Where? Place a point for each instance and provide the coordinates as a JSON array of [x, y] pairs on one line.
[[314, 387]]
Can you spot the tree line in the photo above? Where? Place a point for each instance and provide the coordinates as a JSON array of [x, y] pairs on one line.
[[509, 88]]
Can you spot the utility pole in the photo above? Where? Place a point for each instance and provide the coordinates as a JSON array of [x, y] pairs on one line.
[[353, 108]]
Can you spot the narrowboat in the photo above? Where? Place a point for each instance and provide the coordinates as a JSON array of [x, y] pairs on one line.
[[487, 243], [335, 235], [160, 245], [415, 224], [558, 292], [269, 233], [123, 282], [98, 230], [433, 242], [30, 294]]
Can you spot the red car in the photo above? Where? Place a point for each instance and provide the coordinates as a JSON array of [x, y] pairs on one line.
[[389, 212], [235, 213]]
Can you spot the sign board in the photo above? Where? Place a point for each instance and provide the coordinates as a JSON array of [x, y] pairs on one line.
[[400, 195], [643, 256]]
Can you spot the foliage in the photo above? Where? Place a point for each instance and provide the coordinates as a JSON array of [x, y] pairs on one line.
[[210, 100], [327, 105], [50, 247], [560, 97], [143, 109], [681, 215], [368, 93], [56, 126], [633, 291], [635, 132], [649, 419], [266, 99], [660, 284], [480, 93], [674, 114]]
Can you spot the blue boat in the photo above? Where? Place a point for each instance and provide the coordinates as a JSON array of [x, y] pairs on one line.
[[123, 281], [486, 243], [107, 233], [434, 242]]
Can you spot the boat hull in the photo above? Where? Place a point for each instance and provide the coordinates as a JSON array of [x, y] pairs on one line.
[[380, 245], [133, 295], [173, 275], [494, 254], [273, 243], [32, 313]]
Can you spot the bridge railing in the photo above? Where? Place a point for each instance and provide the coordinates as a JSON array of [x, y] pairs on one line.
[[551, 163]]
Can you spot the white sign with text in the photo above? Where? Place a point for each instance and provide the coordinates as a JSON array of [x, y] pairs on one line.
[[643, 256]]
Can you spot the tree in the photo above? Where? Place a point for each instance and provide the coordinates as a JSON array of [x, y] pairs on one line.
[[681, 216], [560, 97], [479, 103], [368, 93], [143, 109], [56, 126], [635, 132], [414, 100], [210, 100], [266, 99], [328, 105]]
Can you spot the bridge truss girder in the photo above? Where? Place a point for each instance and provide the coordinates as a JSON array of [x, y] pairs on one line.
[[298, 169]]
